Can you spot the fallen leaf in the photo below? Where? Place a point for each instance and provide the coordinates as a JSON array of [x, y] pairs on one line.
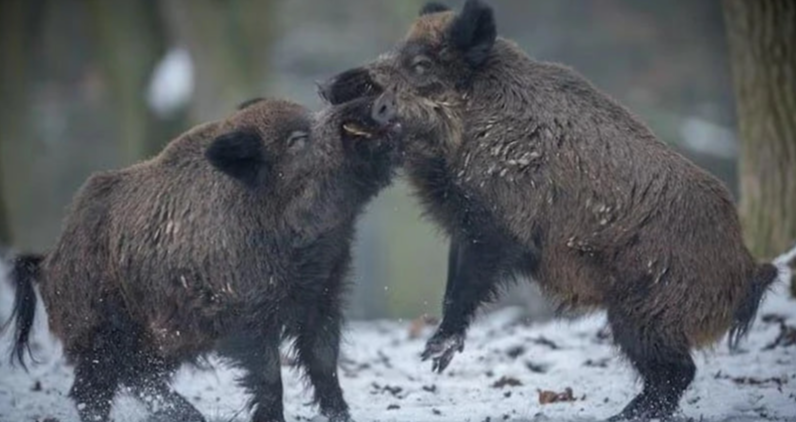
[[392, 390], [506, 381], [547, 397], [599, 363], [544, 341], [786, 337], [515, 351], [773, 318], [604, 334], [418, 324], [430, 388], [536, 367], [759, 381]]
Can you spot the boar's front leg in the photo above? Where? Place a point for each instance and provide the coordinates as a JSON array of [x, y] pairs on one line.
[[318, 346], [474, 270], [257, 353]]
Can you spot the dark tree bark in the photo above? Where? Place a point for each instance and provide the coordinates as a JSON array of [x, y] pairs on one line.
[[131, 41], [229, 43], [5, 225], [762, 38], [18, 24]]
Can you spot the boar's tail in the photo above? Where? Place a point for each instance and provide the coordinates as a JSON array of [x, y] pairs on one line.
[[765, 275], [24, 273]]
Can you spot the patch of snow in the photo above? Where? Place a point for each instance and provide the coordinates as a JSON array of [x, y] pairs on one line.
[[172, 83], [6, 292], [783, 263], [496, 378], [709, 138]]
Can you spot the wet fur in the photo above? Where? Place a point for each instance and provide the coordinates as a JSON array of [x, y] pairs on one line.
[[24, 273], [228, 240], [532, 170]]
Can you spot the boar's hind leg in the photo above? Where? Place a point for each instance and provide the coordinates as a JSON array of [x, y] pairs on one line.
[[318, 346], [96, 381], [475, 268], [663, 361], [257, 354], [164, 403]]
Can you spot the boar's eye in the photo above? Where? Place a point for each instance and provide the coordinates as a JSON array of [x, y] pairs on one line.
[[297, 139], [421, 65]]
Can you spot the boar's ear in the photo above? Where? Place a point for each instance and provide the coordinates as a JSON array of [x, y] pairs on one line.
[[473, 32], [240, 154], [433, 7]]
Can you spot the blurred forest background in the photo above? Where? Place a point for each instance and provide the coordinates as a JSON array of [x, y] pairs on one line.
[[97, 84]]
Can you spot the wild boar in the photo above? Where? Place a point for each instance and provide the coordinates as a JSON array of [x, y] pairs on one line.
[[533, 171], [235, 237]]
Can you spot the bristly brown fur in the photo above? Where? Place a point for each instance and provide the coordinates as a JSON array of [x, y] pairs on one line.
[[237, 235], [532, 170]]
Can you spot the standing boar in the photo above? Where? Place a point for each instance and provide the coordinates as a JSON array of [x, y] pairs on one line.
[[533, 171], [236, 236]]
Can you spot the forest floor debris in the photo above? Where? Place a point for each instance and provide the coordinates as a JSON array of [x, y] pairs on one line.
[[559, 371]]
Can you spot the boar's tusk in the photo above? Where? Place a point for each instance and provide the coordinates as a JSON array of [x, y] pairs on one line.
[[355, 130]]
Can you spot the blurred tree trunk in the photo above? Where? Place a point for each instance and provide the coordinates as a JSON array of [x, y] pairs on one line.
[[5, 225], [762, 38], [131, 41], [229, 44], [17, 32]]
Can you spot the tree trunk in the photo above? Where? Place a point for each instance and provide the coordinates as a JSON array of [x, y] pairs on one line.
[[229, 44], [131, 41], [18, 23], [5, 225], [762, 39]]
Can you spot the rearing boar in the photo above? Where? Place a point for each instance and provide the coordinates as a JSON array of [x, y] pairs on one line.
[[533, 171], [236, 236]]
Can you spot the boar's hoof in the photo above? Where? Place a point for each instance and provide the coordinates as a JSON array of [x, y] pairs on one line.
[[645, 407], [441, 348], [172, 418], [640, 418], [182, 415], [340, 418]]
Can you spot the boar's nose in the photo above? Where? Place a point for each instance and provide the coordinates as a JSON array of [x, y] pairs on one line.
[[384, 109], [346, 86]]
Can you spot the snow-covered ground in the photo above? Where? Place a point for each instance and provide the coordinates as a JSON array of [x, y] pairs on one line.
[[498, 377]]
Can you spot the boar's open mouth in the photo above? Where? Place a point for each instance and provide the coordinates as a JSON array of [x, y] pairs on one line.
[[371, 117], [361, 129], [347, 86]]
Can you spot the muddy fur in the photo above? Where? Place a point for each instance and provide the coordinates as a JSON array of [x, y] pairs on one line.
[[533, 171], [235, 237]]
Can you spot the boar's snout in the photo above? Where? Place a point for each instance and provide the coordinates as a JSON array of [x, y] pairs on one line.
[[372, 117], [384, 108], [348, 85]]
